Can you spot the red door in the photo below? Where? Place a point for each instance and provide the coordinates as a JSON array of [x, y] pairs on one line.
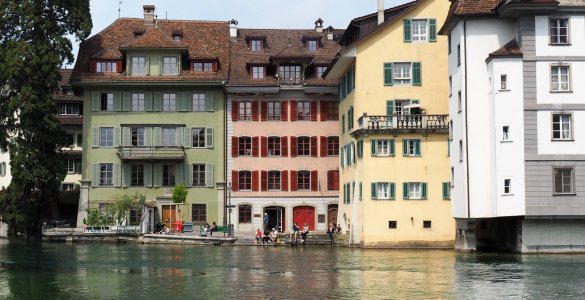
[[302, 214]]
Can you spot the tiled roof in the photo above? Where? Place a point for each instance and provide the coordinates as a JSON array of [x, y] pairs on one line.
[[510, 49], [201, 39], [282, 45], [60, 96], [469, 8]]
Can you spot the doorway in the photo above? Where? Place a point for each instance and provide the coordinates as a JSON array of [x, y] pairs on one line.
[[332, 214], [302, 214], [169, 215], [276, 217]]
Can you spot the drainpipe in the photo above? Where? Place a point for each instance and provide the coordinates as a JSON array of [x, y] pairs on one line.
[[225, 103], [466, 124]]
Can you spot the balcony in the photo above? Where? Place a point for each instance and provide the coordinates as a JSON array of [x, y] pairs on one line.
[[154, 153], [291, 83], [416, 123]]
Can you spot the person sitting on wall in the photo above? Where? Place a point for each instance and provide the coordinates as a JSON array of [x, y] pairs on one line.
[[304, 232], [338, 228], [266, 237], [295, 231], [274, 235], [205, 230], [212, 228]]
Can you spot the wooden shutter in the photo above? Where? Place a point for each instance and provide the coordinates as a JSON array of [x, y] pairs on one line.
[[263, 110], [126, 136], [255, 146], [389, 108], [95, 137], [293, 146], [264, 181], [391, 146], [333, 180], [235, 146], [323, 111], [118, 101], [254, 110], [155, 99], [323, 146], [208, 137], [209, 178], [235, 180], [374, 190], [117, 136], [95, 175], [423, 192], [127, 102], [234, 111], [445, 190], [313, 145], [119, 66], [388, 80], [405, 190], [293, 110], [95, 101], [314, 181], [255, 180], [215, 66], [417, 147], [179, 174], [392, 190], [294, 181], [284, 181], [284, 111], [360, 148], [284, 146], [313, 110], [432, 30], [209, 101], [157, 172], [92, 66], [374, 148], [404, 147], [117, 175], [416, 74], [263, 146], [148, 136], [407, 30]]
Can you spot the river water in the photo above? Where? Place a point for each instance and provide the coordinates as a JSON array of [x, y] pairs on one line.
[[96, 271]]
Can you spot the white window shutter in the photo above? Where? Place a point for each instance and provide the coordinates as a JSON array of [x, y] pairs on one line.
[[117, 136], [189, 176], [209, 175], [95, 137], [209, 101], [148, 175], [96, 175], [179, 136], [126, 136], [95, 101], [117, 175], [209, 137], [157, 175], [188, 137], [148, 136]]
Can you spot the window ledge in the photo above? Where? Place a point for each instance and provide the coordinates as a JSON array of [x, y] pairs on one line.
[[561, 92], [505, 90], [507, 195], [559, 44], [559, 140], [506, 141], [565, 195]]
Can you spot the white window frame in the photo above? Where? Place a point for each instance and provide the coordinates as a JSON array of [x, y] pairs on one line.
[[554, 31], [506, 133], [106, 171], [106, 137], [507, 186], [273, 110], [564, 184], [383, 148], [201, 173], [202, 132], [557, 84], [383, 190], [137, 101], [414, 190], [420, 30], [245, 111], [564, 133], [402, 73], [169, 66], [198, 102], [504, 82], [138, 65], [169, 102], [258, 72]]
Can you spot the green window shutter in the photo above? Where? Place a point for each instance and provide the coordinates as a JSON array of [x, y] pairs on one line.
[[160, 65], [209, 175], [126, 136], [179, 64], [117, 136], [391, 145], [179, 136], [147, 65], [416, 74], [188, 137], [374, 190], [392, 190], [126, 175], [156, 136], [95, 171], [404, 147], [184, 102], [209, 137], [156, 99], [179, 174], [348, 193], [189, 175], [126, 101], [374, 147], [148, 136], [157, 175], [360, 149], [388, 80], [414, 101], [432, 30], [407, 30], [405, 190], [148, 175], [95, 137], [341, 157], [118, 101], [95, 101], [129, 65], [423, 187], [417, 147], [209, 101], [342, 123], [117, 175], [389, 107], [445, 190], [360, 193]]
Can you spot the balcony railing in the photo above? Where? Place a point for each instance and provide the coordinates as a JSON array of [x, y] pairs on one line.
[[291, 82], [151, 153], [404, 122]]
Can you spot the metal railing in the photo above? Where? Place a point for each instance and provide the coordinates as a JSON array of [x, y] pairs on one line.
[[151, 153], [404, 122]]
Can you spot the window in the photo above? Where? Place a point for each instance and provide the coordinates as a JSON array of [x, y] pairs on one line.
[[245, 111], [446, 190], [333, 180], [414, 190], [169, 102], [460, 150], [198, 137], [450, 86], [170, 65], [70, 165], [563, 181], [332, 146], [258, 72], [561, 127], [245, 214], [312, 45], [350, 119], [177, 37], [411, 147], [69, 109], [245, 146], [256, 45], [106, 137], [245, 181], [503, 82], [427, 224], [137, 136], [332, 111], [204, 66], [106, 174], [137, 102], [382, 147], [559, 31], [505, 133], [107, 102], [419, 30], [70, 139], [383, 190], [560, 79], [274, 180], [402, 73], [459, 101], [304, 180], [458, 54], [68, 186], [198, 102], [292, 72], [138, 65], [169, 136], [168, 176], [199, 175], [274, 110], [134, 216], [273, 146], [392, 224], [105, 67], [137, 175], [507, 186], [304, 146], [303, 110], [199, 213], [320, 71]]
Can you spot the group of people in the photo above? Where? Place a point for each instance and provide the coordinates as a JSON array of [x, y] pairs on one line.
[[332, 230], [296, 229], [267, 236], [209, 229]]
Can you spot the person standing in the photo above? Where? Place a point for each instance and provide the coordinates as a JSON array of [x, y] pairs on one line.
[[330, 232], [266, 221], [212, 228]]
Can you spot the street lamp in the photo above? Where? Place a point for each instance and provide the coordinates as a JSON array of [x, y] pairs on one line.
[[229, 207]]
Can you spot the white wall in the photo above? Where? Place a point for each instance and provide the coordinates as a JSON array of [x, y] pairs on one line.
[[577, 95], [544, 129], [5, 180], [576, 38]]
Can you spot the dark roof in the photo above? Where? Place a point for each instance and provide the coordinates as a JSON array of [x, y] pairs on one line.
[[469, 8], [65, 92], [282, 46], [199, 39], [511, 49]]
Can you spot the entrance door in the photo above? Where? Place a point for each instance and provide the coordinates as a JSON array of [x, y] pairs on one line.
[[302, 214], [332, 214], [276, 215], [169, 215]]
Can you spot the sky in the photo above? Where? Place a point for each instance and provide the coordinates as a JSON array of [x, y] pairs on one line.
[[281, 14]]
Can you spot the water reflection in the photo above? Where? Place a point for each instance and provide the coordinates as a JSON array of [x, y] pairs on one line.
[[82, 271]]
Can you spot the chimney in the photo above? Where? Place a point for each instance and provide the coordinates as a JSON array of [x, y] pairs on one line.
[[148, 15], [380, 12], [330, 33], [233, 28], [319, 25]]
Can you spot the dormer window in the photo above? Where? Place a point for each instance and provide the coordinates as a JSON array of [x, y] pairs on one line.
[[138, 34], [312, 45], [256, 45], [176, 37], [105, 67], [319, 70], [205, 66], [258, 72]]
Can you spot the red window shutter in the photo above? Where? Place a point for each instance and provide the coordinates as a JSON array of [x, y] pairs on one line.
[[119, 66], [235, 146], [313, 110], [264, 146], [294, 181], [255, 181], [235, 111], [214, 66], [284, 111], [235, 180], [293, 110], [323, 146], [314, 181], [284, 146], [284, 181], [330, 180], [263, 110], [335, 179], [293, 146], [323, 111], [314, 146], [255, 146], [255, 111], [264, 181], [92, 66]]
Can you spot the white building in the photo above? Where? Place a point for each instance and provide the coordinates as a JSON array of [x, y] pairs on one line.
[[517, 154], [5, 176]]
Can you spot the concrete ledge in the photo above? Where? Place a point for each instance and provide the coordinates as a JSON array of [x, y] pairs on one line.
[[412, 245], [184, 239]]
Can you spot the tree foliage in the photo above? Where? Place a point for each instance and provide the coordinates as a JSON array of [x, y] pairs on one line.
[[33, 46], [179, 193], [116, 213]]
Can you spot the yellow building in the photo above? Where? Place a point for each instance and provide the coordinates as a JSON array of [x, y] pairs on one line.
[[393, 93]]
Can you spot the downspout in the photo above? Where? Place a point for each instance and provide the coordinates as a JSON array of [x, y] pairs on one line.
[[225, 103], [466, 124]]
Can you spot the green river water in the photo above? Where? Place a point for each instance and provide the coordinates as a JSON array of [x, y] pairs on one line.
[[98, 271]]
